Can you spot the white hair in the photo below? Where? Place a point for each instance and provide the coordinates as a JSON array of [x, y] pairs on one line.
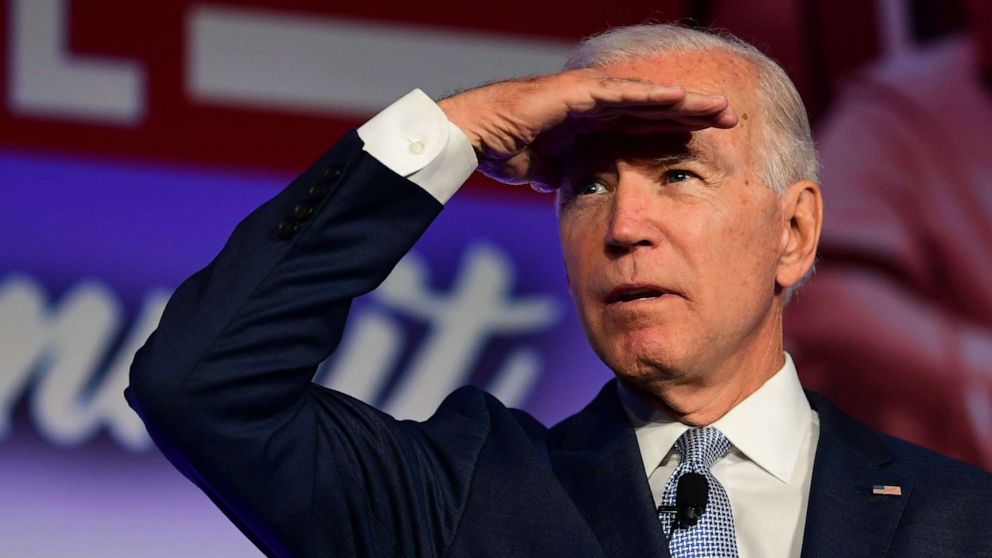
[[788, 155]]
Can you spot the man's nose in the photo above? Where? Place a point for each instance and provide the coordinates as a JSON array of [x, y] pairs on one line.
[[633, 221]]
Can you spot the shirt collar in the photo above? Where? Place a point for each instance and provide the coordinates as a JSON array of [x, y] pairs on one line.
[[656, 432], [768, 427]]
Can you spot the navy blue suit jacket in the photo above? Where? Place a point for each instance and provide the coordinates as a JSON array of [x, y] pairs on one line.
[[224, 386]]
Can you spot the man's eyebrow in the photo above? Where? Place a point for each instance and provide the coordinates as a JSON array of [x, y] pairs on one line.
[[691, 152]]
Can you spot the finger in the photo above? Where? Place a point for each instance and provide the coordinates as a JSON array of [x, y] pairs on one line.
[[722, 119], [711, 108], [630, 93], [545, 174], [607, 118], [589, 93], [654, 127], [558, 139], [649, 113], [701, 103], [625, 126], [692, 104]]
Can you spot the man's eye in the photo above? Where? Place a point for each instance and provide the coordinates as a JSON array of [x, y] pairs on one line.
[[679, 175], [591, 186]]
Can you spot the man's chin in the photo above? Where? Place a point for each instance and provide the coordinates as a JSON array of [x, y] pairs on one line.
[[646, 365], [653, 343]]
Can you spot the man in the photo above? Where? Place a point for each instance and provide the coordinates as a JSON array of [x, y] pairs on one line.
[[688, 212]]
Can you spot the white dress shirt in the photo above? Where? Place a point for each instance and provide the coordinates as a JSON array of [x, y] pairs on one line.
[[767, 472], [413, 138], [773, 432]]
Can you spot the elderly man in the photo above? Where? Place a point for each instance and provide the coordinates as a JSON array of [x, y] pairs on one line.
[[688, 212]]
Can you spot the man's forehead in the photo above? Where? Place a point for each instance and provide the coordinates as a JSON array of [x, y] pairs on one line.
[[706, 71]]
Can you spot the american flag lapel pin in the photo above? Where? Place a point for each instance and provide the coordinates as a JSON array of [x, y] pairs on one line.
[[886, 490]]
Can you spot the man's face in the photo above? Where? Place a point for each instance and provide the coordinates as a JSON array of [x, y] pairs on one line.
[[671, 242]]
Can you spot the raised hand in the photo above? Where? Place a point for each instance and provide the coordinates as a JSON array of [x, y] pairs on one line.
[[517, 126]]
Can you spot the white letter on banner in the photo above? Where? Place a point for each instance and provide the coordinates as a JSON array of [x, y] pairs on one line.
[[479, 306], [237, 56], [108, 406], [46, 81], [361, 365], [77, 334], [23, 330], [64, 344]]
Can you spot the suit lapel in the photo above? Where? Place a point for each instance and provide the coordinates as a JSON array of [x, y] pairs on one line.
[[595, 456], [843, 517]]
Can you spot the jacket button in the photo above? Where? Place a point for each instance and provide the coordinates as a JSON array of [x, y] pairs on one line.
[[287, 229], [303, 212], [331, 174], [317, 192]]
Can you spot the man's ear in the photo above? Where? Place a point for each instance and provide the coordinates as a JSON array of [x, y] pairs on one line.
[[802, 219]]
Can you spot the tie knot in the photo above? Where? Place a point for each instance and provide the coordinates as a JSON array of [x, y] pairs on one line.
[[701, 447]]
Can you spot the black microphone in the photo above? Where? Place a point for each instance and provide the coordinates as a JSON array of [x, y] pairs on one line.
[[690, 498], [691, 495]]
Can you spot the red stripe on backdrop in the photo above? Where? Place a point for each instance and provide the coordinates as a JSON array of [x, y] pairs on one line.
[[177, 128]]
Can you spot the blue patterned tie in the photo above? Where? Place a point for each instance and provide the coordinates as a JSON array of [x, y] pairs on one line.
[[713, 535]]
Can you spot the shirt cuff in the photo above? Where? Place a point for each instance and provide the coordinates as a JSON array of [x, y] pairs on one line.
[[413, 138]]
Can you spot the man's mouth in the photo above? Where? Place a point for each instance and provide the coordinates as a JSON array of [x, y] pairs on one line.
[[630, 293]]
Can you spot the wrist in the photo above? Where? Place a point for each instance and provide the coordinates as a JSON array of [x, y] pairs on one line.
[[456, 111]]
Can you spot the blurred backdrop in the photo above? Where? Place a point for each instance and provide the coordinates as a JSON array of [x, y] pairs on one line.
[[135, 135]]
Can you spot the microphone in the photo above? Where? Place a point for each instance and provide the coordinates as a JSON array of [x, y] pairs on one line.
[[691, 495], [690, 498]]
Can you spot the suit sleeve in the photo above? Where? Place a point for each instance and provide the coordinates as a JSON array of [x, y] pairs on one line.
[[224, 384]]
